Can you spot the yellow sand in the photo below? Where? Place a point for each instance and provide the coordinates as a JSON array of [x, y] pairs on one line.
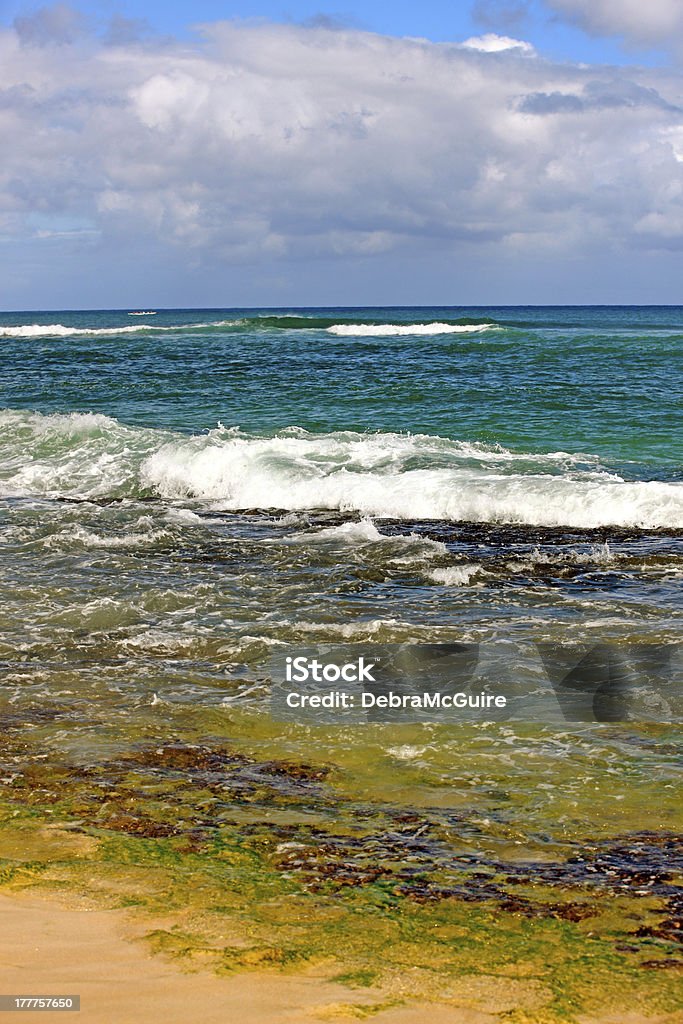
[[50, 949]]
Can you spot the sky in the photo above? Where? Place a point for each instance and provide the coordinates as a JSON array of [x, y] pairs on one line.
[[260, 153]]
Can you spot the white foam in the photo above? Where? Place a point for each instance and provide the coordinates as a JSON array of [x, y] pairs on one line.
[[80, 455], [394, 330], [410, 477], [597, 554], [376, 476], [361, 532], [183, 516], [76, 534], [406, 752], [423, 547], [385, 628], [62, 331], [454, 575], [365, 532]]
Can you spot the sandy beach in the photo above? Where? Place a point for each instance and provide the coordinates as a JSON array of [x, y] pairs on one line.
[[48, 947]]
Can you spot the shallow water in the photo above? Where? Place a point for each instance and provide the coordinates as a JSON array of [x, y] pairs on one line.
[[181, 501]]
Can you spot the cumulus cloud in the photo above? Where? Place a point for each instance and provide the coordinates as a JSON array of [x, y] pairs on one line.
[[272, 142], [642, 22], [492, 43]]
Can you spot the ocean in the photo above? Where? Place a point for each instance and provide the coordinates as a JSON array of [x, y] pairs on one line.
[[185, 494], [424, 474]]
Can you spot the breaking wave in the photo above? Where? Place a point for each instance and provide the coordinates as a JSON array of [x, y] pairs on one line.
[[62, 331], [402, 476], [394, 330], [276, 322]]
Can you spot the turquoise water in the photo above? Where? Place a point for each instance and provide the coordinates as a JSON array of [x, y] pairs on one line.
[[601, 380], [208, 484]]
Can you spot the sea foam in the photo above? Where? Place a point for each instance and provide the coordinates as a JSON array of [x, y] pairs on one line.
[[343, 330], [63, 331], [380, 475], [394, 330]]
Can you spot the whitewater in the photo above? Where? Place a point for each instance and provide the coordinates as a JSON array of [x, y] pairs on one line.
[[259, 323], [63, 331], [217, 482], [391, 475]]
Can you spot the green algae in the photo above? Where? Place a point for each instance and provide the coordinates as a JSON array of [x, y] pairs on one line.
[[356, 979], [303, 870]]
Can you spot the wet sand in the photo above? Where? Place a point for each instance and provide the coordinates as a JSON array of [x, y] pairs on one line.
[[47, 948], [50, 948]]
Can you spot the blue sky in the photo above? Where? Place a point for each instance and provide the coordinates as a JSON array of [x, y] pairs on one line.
[[228, 154], [433, 19]]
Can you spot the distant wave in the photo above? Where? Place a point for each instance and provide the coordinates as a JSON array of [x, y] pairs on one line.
[[411, 477], [391, 330], [360, 326], [254, 323], [63, 331]]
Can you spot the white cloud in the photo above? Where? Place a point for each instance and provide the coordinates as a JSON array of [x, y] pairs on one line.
[[642, 22], [274, 142], [491, 43]]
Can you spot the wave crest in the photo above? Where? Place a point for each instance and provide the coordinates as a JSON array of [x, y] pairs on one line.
[[63, 331], [278, 322], [397, 330], [410, 477]]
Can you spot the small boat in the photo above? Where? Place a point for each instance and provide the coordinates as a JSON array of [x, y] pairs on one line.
[[144, 312]]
